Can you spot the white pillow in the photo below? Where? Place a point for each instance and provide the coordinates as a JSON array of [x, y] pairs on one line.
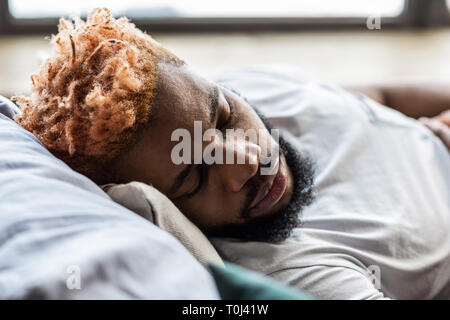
[[154, 206], [57, 227]]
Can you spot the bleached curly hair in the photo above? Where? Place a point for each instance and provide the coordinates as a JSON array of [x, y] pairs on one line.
[[93, 96]]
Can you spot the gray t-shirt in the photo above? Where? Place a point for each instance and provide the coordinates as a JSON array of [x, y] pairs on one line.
[[380, 224]]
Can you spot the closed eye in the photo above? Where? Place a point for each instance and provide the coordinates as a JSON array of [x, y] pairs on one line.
[[202, 173], [202, 169]]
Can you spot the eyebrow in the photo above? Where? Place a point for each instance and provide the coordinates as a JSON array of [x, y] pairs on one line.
[[213, 102]]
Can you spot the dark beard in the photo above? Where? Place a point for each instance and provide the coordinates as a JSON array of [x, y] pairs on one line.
[[277, 227]]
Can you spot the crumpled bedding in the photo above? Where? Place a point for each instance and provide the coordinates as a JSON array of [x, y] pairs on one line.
[[154, 206], [62, 237]]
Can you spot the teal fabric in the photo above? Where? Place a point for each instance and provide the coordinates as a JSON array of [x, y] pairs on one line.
[[236, 283]]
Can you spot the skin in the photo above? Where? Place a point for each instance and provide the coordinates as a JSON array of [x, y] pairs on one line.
[[184, 97], [440, 125]]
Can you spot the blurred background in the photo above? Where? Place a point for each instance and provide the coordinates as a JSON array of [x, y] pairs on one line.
[[344, 41]]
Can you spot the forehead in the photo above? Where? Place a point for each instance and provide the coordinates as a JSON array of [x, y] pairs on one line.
[[181, 92], [183, 97]]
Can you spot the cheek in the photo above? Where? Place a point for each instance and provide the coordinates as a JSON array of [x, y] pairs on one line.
[[250, 120], [211, 208]]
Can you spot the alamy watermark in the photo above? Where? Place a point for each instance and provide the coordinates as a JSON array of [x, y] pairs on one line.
[[373, 22], [374, 275], [73, 281], [237, 147]]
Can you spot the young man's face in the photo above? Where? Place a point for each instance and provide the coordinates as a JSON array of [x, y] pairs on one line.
[[209, 195]]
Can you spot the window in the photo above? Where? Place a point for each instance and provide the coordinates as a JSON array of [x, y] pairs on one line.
[[27, 16], [24, 9]]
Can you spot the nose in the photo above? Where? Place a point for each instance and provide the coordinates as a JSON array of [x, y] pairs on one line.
[[240, 165]]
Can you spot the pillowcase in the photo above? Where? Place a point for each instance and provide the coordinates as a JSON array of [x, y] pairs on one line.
[[236, 283], [7, 108], [154, 206], [62, 237]]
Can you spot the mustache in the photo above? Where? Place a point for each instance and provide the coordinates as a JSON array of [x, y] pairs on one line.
[[253, 186], [252, 192]]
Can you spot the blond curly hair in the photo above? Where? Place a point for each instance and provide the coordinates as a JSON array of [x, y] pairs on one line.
[[92, 97]]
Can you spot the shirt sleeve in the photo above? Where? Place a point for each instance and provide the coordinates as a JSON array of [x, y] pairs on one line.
[[331, 282]]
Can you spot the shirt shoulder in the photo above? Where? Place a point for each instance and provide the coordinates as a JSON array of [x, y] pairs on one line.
[[333, 282]]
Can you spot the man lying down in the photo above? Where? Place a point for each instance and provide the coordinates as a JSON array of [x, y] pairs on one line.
[[114, 105]]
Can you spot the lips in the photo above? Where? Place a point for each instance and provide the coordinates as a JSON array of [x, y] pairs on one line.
[[272, 191]]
